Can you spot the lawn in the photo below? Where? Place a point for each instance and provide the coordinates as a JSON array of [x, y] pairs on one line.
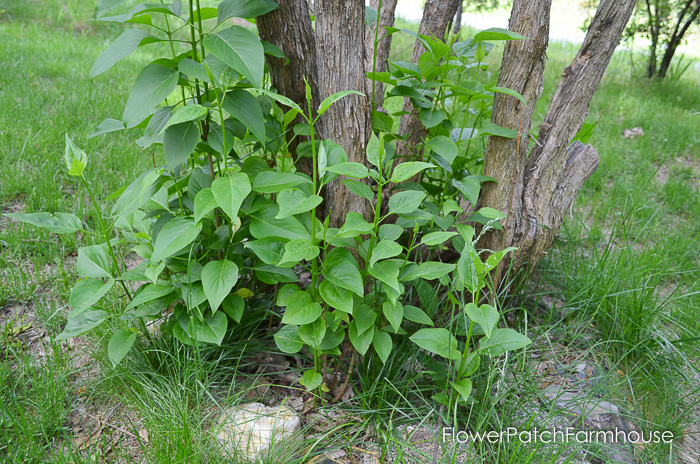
[[619, 292]]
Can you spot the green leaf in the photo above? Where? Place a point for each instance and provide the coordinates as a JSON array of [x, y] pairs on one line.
[[336, 297], [431, 117], [393, 313], [273, 182], [173, 237], [120, 344], [265, 224], [272, 50], [361, 341], [218, 278], [327, 102], [287, 339], [485, 315], [61, 223], [510, 92], [285, 292], [436, 238], [193, 69], [390, 232], [137, 193], [429, 271], [382, 344], [298, 250], [342, 273], [332, 338], [211, 330], [83, 322], [313, 333], [364, 318], [179, 141], [495, 258], [204, 202], [503, 340], [281, 99], [490, 128], [75, 158], [387, 272], [269, 249], [240, 49], [438, 341], [124, 46], [243, 106], [152, 86], [405, 171], [467, 273], [464, 388], [93, 261], [142, 9], [351, 169], [229, 193], [355, 225], [245, 8], [417, 315], [273, 275], [380, 121], [358, 188], [311, 380], [375, 150], [104, 6], [385, 249], [186, 114], [497, 33], [107, 126], [301, 309], [152, 134], [294, 201], [370, 16], [150, 292], [469, 187], [491, 213], [405, 202], [233, 305], [88, 292]]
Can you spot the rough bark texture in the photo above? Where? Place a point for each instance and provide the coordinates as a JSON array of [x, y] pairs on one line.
[[437, 16], [386, 19], [555, 169], [289, 28], [340, 35], [522, 70]]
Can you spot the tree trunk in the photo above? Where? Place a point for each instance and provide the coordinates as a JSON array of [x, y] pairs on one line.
[[555, 169], [437, 15], [340, 35], [654, 33], [386, 19], [522, 70], [299, 46], [676, 39], [458, 18]]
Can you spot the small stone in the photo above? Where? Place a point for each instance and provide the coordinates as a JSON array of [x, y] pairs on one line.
[[250, 429]]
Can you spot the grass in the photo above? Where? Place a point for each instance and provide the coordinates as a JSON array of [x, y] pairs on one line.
[[623, 276]]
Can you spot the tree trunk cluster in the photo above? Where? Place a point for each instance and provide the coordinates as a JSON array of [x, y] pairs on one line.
[[537, 178]]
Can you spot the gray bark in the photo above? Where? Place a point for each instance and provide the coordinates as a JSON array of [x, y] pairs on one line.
[[289, 28], [386, 19], [340, 35], [555, 169]]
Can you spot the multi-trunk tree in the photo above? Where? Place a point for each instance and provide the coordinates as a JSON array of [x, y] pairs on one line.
[[538, 173]]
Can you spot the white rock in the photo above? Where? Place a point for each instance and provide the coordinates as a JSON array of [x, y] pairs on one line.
[[249, 429]]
